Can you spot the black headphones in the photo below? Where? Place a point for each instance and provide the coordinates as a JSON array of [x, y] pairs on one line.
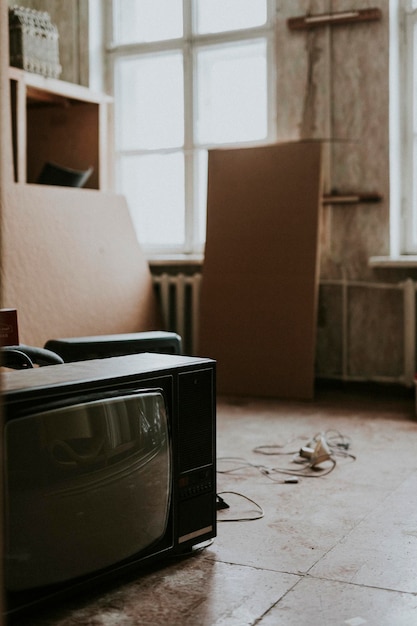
[[24, 357]]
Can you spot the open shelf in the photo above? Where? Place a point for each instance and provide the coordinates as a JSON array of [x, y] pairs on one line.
[[59, 122]]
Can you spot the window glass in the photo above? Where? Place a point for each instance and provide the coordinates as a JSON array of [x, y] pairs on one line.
[[414, 77], [195, 75], [413, 140], [214, 16], [404, 164], [147, 20], [149, 106], [231, 93], [201, 194], [414, 190], [154, 188]]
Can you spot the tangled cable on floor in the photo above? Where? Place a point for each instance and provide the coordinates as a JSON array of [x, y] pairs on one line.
[[317, 459], [324, 447]]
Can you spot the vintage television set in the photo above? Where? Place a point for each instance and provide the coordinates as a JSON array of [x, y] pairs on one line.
[[109, 465]]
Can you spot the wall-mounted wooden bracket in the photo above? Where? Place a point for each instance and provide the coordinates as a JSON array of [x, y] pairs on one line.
[[351, 198], [333, 19]]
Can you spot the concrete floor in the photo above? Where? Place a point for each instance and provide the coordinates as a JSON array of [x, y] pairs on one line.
[[330, 550]]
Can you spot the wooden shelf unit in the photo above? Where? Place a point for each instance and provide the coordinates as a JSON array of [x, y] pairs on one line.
[[59, 122]]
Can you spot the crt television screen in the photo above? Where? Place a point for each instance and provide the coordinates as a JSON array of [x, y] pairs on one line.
[[93, 478]]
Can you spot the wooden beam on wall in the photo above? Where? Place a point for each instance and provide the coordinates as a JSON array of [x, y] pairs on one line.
[[309, 21]]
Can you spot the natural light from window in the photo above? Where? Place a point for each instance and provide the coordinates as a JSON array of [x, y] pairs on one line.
[[231, 93], [183, 84], [140, 21]]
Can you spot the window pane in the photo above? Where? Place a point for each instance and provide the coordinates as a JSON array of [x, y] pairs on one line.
[[154, 187], [201, 194], [214, 16], [149, 102], [142, 21], [232, 94], [414, 185], [414, 78]]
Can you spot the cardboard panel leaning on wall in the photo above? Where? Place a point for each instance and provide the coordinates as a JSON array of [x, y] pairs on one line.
[[260, 274], [72, 265]]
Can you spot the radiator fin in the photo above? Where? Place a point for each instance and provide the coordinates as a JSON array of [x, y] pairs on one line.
[[179, 297]]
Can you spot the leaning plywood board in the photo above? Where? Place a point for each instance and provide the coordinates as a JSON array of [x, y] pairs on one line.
[[260, 275], [71, 264]]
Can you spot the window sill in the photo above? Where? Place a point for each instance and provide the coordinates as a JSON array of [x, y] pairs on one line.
[[175, 259], [395, 262], [175, 263]]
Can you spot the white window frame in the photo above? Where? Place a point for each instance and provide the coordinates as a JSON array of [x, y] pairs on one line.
[[188, 44], [403, 139]]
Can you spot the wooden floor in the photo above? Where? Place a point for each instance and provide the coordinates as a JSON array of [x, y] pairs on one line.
[[339, 549]]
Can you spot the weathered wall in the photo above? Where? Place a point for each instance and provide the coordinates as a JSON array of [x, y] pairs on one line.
[[333, 83]]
